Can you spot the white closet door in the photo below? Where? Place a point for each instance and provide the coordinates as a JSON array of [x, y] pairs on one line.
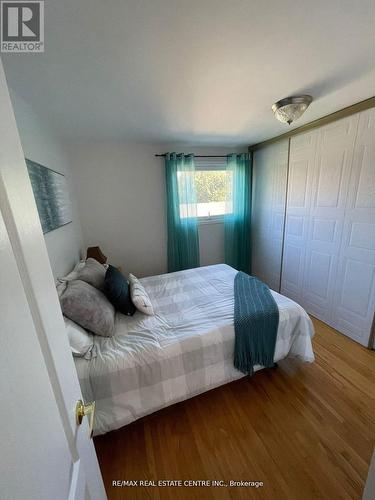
[[269, 191], [332, 167], [354, 303], [300, 181]]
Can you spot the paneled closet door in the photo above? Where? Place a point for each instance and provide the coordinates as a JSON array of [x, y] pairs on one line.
[[269, 192], [330, 181], [300, 182], [354, 301]]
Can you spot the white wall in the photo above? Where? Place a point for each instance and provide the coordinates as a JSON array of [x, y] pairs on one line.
[[122, 204], [211, 243], [40, 144]]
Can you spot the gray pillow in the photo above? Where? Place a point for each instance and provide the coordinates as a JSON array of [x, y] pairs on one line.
[[93, 273], [89, 308]]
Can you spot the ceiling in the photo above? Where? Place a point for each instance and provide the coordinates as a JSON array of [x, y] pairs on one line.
[[194, 71]]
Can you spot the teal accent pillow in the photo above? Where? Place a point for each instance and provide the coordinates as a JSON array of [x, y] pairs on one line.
[[117, 291]]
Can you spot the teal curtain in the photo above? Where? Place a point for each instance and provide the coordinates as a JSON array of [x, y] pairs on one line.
[[238, 219], [182, 225]]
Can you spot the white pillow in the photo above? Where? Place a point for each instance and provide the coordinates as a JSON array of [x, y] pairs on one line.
[[81, 342], [139, 296]]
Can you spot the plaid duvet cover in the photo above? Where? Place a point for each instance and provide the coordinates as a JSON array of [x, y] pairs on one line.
[[185, 349]]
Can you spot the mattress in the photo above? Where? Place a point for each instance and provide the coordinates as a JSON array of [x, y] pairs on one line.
[[185, 349]]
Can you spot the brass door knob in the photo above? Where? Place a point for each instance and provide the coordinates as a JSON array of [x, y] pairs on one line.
[[86, 410]]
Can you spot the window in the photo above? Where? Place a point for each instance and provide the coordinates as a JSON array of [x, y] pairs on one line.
[[212, 185]]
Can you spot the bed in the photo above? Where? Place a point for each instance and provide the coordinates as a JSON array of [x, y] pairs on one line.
[[185, 349]]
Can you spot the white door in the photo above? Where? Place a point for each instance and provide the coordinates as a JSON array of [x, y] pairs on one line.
[[369, 491], [44, 454], [300, 181], [332, 167], [354, 304], [270, 165]]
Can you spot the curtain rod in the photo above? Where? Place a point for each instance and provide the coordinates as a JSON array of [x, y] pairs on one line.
[[201, 156]]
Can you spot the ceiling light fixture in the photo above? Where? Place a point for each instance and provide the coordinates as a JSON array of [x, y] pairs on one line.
[[291, 108]]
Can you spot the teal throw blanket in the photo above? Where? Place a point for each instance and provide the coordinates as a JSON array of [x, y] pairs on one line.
[[256, 319]]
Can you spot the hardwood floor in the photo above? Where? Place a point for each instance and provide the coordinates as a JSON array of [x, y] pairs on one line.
[[307, 432]]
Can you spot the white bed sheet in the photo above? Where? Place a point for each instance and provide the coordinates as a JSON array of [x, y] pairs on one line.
[[185, 349]]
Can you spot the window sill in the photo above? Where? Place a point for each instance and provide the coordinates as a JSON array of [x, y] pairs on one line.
[[210, 220]]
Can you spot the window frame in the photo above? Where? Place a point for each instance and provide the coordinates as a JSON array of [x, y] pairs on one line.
[[210, 165]]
